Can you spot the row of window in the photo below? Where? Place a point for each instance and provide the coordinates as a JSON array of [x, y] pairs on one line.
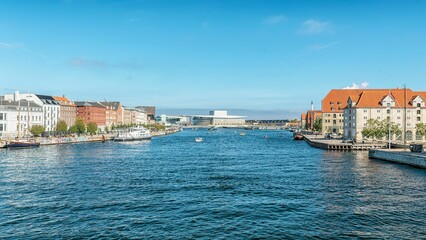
[[33, 118]]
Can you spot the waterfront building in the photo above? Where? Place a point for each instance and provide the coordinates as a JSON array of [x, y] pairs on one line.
[[218, 118], [28, 113], [92, 112], [303, 121], [51, 107], [150, 111], [311, 118], [162, 119], [332, 109], [385, 104], [68, 110], [135, 116], [114, 113]]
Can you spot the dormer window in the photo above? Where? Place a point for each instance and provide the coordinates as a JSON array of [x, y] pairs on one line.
[[419, 105]]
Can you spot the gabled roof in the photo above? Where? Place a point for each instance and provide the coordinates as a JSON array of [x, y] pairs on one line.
[[47, 99], [63, 101], [89, 104], [336, 96], [113, 105]]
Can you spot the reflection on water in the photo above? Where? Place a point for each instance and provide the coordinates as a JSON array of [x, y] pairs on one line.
[[228, 186]]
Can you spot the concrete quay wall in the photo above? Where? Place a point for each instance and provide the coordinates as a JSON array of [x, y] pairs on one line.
[[403, 157]]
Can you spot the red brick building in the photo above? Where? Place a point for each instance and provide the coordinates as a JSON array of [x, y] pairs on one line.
[[92, 112]]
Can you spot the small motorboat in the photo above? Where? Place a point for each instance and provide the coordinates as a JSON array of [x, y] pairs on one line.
[[242, 133], [297, 136], [198, 139]]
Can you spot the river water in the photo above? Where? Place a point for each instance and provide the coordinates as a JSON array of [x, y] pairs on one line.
[[261, 185]]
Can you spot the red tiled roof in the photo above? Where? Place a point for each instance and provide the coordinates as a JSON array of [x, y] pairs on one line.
[[336, 96]]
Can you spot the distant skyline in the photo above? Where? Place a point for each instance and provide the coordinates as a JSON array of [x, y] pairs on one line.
[[254, 55]]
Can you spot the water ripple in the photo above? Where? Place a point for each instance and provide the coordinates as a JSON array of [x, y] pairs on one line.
[[227, 187]]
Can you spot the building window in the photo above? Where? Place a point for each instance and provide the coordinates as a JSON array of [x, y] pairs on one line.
[[418, 111], [388, 111], [418, 105], [398, 111], [418, 119], [365, 117], [378, 111], [365, 110], [1, 116], [334, 121], [334, 115]]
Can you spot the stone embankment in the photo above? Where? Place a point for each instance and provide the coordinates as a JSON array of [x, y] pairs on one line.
[[399, 156], [85, 139]]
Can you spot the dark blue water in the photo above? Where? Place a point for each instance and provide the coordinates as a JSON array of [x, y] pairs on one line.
[[227, 187]]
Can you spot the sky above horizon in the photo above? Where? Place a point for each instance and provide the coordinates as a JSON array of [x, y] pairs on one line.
[[210, 54]]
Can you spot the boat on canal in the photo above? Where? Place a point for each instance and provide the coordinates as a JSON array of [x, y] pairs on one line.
[[22, 144], [199, 139], [133, 134], [297, 136]]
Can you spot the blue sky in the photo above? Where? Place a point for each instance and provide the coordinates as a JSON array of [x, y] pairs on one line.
[[210, 54]]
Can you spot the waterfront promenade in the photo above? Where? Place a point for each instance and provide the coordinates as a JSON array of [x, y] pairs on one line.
[[85, 138]]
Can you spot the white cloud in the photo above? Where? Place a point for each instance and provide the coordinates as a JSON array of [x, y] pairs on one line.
[[319, 47], [83, 62], [10, 45], [313, 26], [274, 19], [362, 85]]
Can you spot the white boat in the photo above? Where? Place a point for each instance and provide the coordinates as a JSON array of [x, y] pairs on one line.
[[242, 133], [133, 134], [198, 139]]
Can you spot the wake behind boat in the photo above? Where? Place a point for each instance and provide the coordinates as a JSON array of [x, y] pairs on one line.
[[133, 134]]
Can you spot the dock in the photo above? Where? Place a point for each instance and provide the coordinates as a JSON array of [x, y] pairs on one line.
[[399, 156], [339, 145]]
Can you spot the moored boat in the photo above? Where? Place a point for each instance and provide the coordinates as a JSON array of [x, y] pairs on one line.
[[22, 144], [133, 134], [199, 139], [297, 136]]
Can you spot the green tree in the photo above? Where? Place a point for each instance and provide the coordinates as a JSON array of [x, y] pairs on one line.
[[421, 128], [37, 130], [374, 129], [106, 129], [73, 129], [92, 128], [61, 126], [317, 125], [80, 127]]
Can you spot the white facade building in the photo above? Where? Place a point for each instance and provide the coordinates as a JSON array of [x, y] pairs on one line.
[[51, 107], [218, 118], [22, 114], [135, 116], [385, 105]]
